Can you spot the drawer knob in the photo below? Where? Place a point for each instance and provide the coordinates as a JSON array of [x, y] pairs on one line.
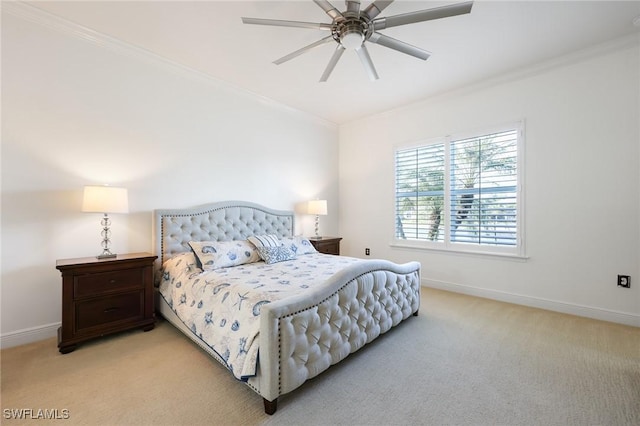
[[112, 282]]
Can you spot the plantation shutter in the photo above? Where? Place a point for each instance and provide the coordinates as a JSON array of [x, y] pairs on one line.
[[483, 196], [420, 193]]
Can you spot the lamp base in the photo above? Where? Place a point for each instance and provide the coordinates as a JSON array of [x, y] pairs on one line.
[[106, 233]]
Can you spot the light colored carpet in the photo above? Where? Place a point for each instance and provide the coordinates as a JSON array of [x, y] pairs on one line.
[[462, 361]]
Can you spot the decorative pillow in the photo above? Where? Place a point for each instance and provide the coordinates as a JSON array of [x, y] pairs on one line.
[[276, 254], [270, 240], [271, 249], [299, 245], [224, 254]]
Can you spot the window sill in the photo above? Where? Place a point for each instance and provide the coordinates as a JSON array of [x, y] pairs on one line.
[[453, 251]]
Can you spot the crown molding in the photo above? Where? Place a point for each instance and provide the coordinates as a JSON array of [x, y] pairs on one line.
[[631, 41], [33, 14]]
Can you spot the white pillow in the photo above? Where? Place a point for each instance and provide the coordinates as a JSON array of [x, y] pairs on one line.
[[299, 245], [224, 254]]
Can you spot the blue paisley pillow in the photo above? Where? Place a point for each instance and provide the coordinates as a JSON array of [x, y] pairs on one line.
[[224, 254], [276, 254], [271, 249]]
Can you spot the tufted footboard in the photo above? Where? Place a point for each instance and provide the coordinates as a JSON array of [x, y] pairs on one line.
[[301, 338]]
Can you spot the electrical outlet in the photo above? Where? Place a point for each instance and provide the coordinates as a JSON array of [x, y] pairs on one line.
[[624, 281], [367, 252]]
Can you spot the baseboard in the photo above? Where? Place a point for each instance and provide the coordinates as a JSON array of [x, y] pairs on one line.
[[28, 335], [536, 302]]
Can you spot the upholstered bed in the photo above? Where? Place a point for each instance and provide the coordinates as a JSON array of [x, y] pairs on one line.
[[303, 312]]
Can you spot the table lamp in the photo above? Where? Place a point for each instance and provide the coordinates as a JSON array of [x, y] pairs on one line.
[[105, 199], [317, 207]]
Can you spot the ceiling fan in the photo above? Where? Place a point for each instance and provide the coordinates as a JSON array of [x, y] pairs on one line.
[[352, 28]]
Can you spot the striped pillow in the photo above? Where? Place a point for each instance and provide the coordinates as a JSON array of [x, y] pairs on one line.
[[270, 240]]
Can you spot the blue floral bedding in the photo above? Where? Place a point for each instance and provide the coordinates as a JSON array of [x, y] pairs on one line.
[[222, 306]]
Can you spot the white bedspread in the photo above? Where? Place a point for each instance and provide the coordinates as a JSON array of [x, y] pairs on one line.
[[222, 307]]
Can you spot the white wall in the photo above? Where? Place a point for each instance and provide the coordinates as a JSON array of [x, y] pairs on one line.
[[80, 111], [77, 111], [582, 209]]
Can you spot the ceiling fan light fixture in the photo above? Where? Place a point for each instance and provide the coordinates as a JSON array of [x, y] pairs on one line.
[[352, 40]]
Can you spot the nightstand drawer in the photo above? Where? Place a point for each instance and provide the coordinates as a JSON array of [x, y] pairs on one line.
[[106, 282], [91, 313], [327, 245]]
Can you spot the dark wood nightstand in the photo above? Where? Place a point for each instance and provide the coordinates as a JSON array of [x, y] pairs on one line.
[[103, 296], [327, 245]]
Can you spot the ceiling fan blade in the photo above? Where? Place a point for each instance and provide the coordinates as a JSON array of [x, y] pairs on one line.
[[422, 15], [363, 54], [331, 11], [353, 6], [303, 50], [398, 45], [375, 8], [332, 63], [281, 23]]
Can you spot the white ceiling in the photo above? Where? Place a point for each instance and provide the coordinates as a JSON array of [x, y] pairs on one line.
[[495, 38]]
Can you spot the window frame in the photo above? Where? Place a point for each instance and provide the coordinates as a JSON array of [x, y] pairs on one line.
[[517, 251]]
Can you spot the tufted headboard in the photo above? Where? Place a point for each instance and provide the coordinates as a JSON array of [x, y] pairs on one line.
[[220, 221]]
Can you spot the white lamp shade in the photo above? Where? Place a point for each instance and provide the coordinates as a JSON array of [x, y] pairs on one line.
[[105, 199], [317, 207]]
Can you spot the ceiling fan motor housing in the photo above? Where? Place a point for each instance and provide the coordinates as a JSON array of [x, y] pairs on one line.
[[350, 33]]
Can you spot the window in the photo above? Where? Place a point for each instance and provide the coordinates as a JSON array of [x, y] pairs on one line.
[[462, 193]]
